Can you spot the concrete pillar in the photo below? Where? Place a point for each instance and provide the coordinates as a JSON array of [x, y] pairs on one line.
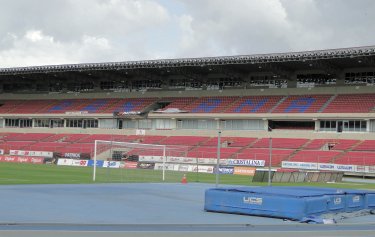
[[292, 80], [266, 124], [340, 78], [368, 124], [317, 126]]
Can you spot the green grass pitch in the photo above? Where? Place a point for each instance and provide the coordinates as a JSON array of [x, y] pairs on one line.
[[15, 173]]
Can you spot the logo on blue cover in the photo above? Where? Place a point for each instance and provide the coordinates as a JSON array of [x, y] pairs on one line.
[[253, 200], [356, 198], [337, 201]]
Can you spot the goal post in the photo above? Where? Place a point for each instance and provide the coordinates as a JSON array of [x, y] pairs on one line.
[[119, 153]]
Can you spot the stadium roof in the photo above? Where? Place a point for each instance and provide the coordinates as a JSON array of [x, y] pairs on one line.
[[332, 55]]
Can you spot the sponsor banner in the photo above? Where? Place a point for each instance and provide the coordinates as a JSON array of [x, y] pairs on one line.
[[174, 159], [79, 162], [203, 169], [208, 161], [76, 112], [241, 162], [225, 170], [128, 165], [361, 168], [321, 166], [336, 167], [99, 163], [150, 158], [184, 168], [72, 155], [189, 160], [182, 160], [324, 166], [345, 168], [31, 153], [249, 171], [170, 159], [36, 160], [212, 161], [22, 159], [371, 169], [7, 159], [299, 165], [159, 166], [146, 166], [64, 162], [111, 164], [76, 155]]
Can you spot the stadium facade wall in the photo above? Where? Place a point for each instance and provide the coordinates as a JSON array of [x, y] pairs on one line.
[[210, 133], [195, 93], [258, 118]]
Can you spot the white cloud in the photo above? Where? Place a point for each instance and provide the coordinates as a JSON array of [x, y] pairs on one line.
[[75, 31], [188, 34], [35, 39], [34, 36], [100, 42], [220, 27], [233, 27], [36, 48]]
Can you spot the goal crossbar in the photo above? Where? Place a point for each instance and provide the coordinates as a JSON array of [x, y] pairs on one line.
[[116, 144]]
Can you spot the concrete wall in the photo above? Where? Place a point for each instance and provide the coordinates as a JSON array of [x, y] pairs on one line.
[[196, 93], [211, 133]]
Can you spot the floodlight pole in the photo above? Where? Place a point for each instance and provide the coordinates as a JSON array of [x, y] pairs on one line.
[[270, 159], [94, 173], [164, 161], [218, 158]]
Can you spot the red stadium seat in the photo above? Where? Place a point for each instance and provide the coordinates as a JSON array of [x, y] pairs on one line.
[[351, 103]]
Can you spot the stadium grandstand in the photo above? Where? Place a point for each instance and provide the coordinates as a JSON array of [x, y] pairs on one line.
[[315, 107]]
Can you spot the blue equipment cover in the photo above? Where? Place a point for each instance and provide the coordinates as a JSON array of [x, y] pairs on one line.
[[337, 197], [370, 200], [270, 202], [360, 199], [355, 200], [296, 203]]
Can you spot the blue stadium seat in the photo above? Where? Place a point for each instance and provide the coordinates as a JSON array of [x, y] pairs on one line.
[[61, 106], [252, 104], [300, 104], [207, 106], [128, 106], [93, 107]]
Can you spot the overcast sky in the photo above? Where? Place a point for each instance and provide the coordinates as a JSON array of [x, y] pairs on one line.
[[40, 32]]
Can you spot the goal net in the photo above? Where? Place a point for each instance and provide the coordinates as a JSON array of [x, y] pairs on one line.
[[136, 162]]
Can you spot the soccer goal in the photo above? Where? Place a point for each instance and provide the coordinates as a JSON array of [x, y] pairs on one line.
[[135, 161]]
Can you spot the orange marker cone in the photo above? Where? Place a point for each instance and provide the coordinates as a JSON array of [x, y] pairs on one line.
[[184, 180]]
